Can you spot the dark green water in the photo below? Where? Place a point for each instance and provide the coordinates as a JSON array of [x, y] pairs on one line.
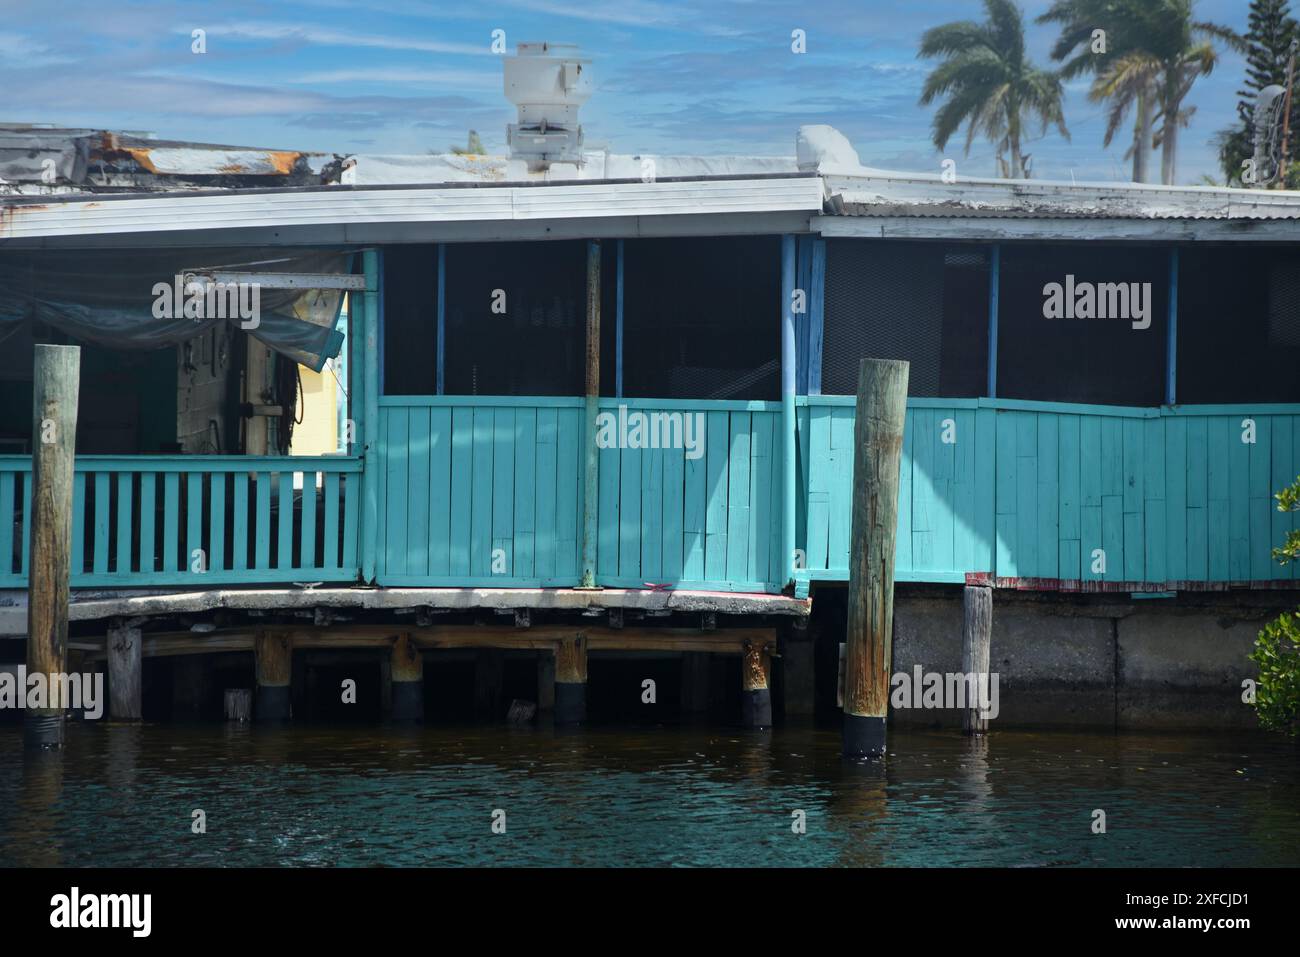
[[123, 796]]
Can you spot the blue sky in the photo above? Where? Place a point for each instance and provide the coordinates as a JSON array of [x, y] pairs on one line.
[[405, 76]]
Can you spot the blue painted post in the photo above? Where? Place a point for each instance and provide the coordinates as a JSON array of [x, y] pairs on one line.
[[591, 471], [995, 278], [372, 471], [442, 317], [788, 372], [816, 316], [618, 325], [1171, 342]]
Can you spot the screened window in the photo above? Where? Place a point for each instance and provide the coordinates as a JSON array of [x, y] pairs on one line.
[[1088, 349], [923, 302], [1238, 324], [701, 317]]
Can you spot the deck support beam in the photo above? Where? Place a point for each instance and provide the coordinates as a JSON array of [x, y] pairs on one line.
[[407, 676], [56, 382], [571, 680], [755, 685], [273, 660], [125, 647], [878, 446]]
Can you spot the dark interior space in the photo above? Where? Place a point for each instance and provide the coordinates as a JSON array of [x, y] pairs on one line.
[[448, 687], [923, 302], [1238, 324], [1101, 361], [701, 318], [324, 691], [615, 690]]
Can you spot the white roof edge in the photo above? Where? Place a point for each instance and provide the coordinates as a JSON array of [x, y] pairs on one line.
[[162, 213]]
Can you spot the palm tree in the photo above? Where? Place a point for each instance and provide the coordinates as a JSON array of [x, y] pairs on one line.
[[1156, 51], [989, 84], [1125, 74]]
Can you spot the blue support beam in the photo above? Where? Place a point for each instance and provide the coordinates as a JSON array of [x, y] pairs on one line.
[[369, 426], [816, 316], [995, 278], [788, 378]]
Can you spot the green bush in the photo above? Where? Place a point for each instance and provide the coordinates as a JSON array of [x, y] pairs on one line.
[[1277, 649]]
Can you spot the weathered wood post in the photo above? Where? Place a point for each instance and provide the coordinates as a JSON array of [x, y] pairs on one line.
[[571, 680], [878, 449], [755, 692], [238, 704], [273, 664], [408, 680], [54, 438], [976, 637], [125, 647], [590, 499]]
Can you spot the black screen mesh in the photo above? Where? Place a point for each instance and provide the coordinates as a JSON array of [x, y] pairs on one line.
[[1238, 324], [1103, 361], [702, 317], [923, 302]]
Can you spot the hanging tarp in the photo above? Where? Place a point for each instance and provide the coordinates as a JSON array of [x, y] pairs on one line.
[[141, 299]]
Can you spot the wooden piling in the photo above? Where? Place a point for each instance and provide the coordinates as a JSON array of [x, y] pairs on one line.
[[237, 704], [407, 675], [545, 682], [125, 645], [976, 639], [54, 435], [756, 693], [571, 680], [878, 447], [273, 660]]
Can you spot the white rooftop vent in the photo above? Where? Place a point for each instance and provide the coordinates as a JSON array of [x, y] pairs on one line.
[[548, 82]]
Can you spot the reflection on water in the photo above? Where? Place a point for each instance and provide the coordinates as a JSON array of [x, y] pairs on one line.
[[123, 796]]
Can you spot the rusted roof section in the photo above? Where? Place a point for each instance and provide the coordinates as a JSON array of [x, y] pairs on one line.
[[62, 160]]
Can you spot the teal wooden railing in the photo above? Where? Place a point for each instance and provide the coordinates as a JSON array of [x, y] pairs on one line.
[[487, 491], [1037, 493], [195, 520]]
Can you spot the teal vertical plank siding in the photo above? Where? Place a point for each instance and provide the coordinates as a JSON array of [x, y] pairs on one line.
[[674, 505], [7, 482], [1281, 475], [1047, 492], [504, 440], [262, 524], [171, 522], [819, 487], [942, 516], [480, 543], [100, 550], [568, 489], [760, 497], [125, 526], [652, 514], [1198, 499], [462, 491], [841, 492], [629, 514], [607, 526], [738, 497], [525, 494], [1221, 439], [241, 527], [1007, 464], [548, 435], [394, 474], [1260, 499], [194, 523], [330, 525], [419, 437], [985, 521], [1069, 555], [217, 522], [694, 510], [284, 536], [923, 491], [438, 495], [717, 441], [903, 560], [351, 523], [77, 559], [963, 490], [1177, 465], [307, 514], [1155, 524], [1239, 506]]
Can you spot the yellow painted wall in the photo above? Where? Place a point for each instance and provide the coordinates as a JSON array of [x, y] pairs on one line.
[[317, 433]]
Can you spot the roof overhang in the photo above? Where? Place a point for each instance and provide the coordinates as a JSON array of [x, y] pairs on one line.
[[1010, 229], [414, 214]]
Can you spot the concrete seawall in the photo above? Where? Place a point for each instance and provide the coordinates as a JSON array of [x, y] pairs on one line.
[[1095, 661]]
